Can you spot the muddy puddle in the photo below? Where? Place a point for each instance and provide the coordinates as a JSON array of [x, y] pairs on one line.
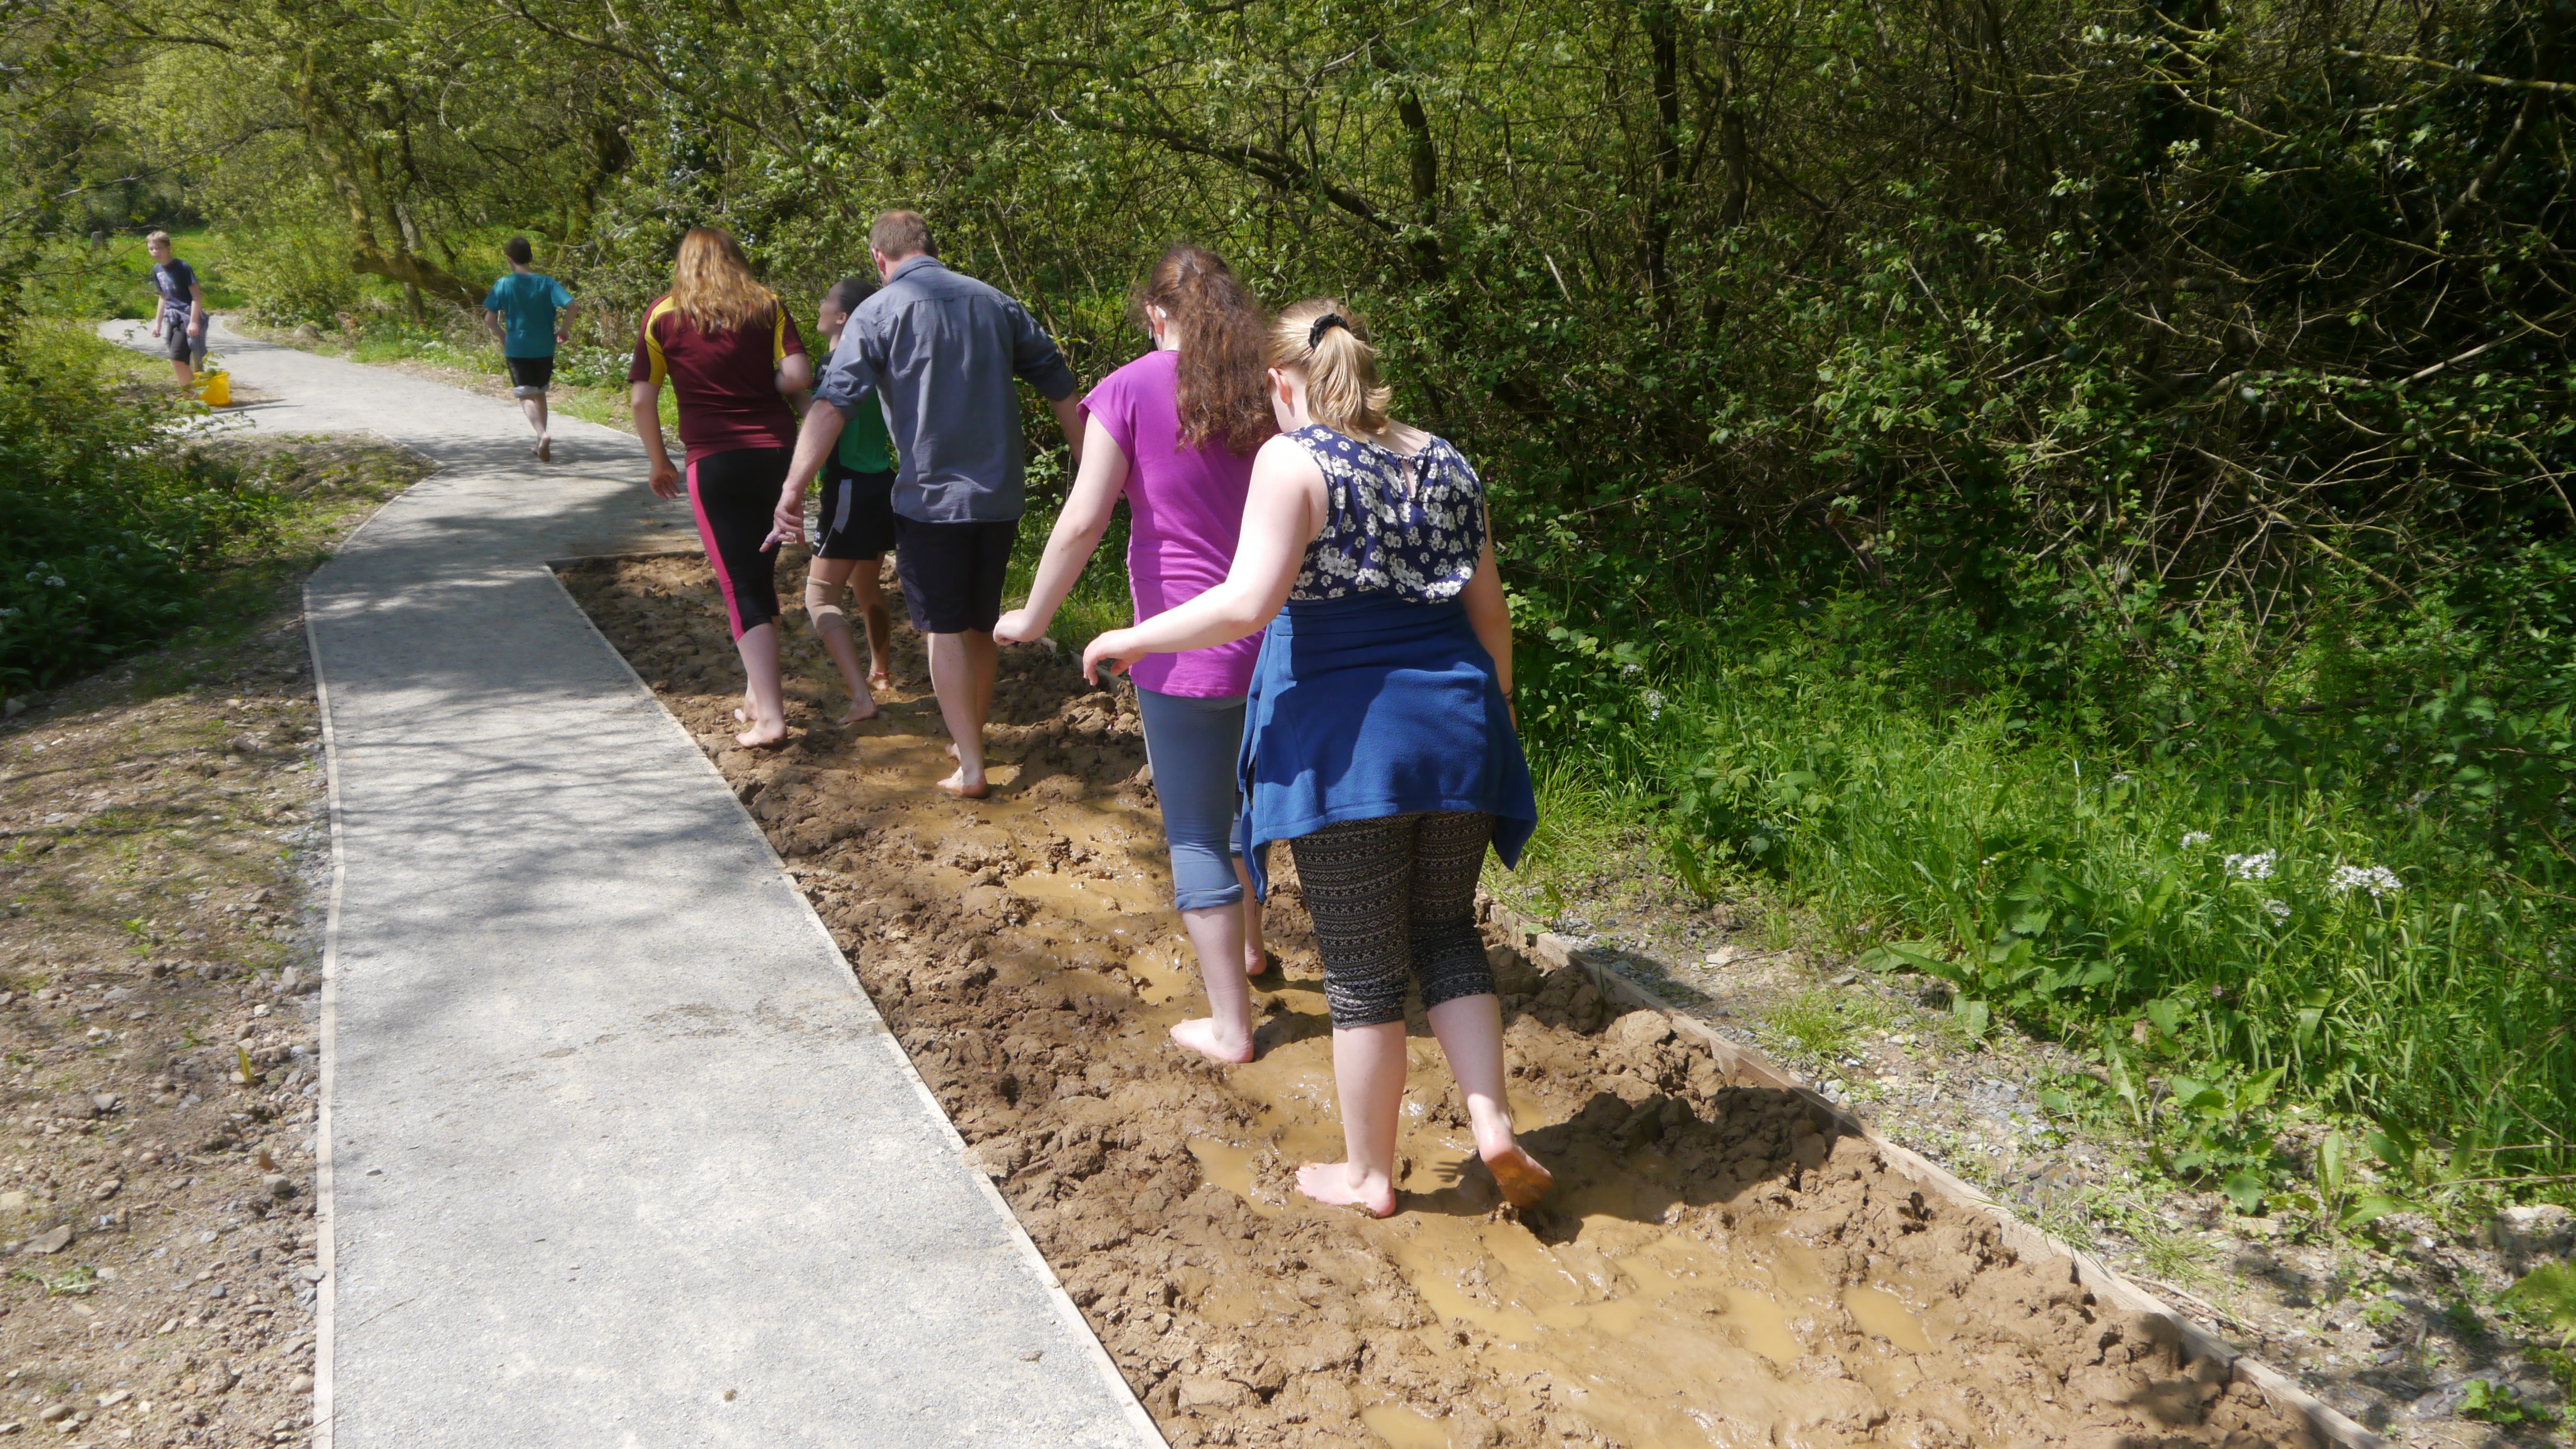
[[1717, 1267]]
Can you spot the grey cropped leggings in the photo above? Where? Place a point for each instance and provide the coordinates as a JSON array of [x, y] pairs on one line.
[[1392, 898], [1193, 744]]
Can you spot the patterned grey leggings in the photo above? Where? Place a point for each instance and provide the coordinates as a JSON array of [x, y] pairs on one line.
[[1391, 893]]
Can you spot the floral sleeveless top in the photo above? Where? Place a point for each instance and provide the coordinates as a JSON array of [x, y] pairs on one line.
[[1413, 527]]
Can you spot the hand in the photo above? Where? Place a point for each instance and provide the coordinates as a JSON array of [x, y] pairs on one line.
[[197, 328], [156, 326], [665, 481], [562, 336], [1113, 650], [790, 516], [1018, 627]]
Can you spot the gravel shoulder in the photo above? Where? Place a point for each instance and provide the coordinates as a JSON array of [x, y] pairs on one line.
[[163, 858]]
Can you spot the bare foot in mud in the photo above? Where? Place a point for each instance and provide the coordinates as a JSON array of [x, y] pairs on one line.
[[1330, 1183], [1257, 962], [881, 679], [1202, 1036], [1521, 1177], [758, 737], [956, 784], [860, 710]]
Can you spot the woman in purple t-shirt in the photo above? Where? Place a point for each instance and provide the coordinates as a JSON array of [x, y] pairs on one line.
[[1174, 433]]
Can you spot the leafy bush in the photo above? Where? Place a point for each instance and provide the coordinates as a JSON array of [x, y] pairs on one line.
[[294, 274], [103, 518]]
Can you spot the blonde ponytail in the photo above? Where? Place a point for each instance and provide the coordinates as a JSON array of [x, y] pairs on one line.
[[1330, 341]]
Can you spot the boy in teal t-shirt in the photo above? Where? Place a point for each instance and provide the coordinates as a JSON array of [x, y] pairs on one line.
[[530, 312], [856, 530]]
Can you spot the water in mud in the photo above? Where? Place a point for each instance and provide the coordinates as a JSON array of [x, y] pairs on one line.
[[1716, 1268]]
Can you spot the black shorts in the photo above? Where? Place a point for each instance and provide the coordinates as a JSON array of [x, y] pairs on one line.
[[181, 346], [530, 375], [857, 514], [953, 572]]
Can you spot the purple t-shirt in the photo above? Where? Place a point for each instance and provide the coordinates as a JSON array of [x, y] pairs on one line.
[[1185, 511]]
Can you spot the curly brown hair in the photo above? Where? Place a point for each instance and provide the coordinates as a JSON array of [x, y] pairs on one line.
[[1220, 329]]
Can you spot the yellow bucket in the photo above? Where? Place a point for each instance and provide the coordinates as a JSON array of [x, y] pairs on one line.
[[215, 389]]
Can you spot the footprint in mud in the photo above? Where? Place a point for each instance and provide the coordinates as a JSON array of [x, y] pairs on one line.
[[1717, 1266]]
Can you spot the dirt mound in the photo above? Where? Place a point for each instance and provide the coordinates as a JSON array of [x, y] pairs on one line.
[[1717, 1268]]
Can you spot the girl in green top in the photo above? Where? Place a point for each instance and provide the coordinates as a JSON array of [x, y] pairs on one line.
[[855, 531]]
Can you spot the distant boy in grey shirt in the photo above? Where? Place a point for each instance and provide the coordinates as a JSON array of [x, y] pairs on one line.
[[941, 349]]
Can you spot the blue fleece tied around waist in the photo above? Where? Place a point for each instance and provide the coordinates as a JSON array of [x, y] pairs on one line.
[[1370, 705]]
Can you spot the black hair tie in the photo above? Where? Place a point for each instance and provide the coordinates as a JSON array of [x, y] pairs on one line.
[[1324, 324]]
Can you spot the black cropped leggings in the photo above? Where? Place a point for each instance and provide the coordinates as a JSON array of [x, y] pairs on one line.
[[735, 497], [1392, 898]]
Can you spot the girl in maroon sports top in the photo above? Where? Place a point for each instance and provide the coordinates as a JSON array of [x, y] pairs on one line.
[[733, 359]]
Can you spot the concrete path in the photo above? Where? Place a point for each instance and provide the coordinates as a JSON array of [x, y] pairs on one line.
[[618, 1152]]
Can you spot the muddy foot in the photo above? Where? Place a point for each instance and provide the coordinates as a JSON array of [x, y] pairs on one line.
[[957, 785], [1259, 963], [881, 679], [1330, 1183], [1523, 1181], [860, 709], [758, 738], [1201, 1036]]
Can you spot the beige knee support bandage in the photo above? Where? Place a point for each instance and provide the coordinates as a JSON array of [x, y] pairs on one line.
[[823, 605]]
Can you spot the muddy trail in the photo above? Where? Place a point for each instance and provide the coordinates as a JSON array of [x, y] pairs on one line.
[[1717, 1267]]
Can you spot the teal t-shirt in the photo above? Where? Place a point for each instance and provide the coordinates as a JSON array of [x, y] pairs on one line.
[[866, 446], [526, 303]]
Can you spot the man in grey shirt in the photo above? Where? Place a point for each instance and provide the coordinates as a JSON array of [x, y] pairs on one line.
[[940, 350]]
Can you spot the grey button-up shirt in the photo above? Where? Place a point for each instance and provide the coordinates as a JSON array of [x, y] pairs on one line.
[[941, 350]]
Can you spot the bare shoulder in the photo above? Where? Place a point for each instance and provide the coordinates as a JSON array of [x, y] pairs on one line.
[[1284, 454]]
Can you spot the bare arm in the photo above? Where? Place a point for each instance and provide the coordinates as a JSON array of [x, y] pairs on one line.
[[814, 443], [795, 374], [1280, 517], [563, 322], [492, 324], [1069, 418], [1086, 515], [1490, 614], [645, 398]]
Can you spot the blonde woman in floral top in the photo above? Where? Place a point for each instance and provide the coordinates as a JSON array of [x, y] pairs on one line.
[[1378, 738]]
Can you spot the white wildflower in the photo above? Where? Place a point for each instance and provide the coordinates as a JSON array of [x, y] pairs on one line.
[[2379, 880], [2194, 837], [2280, 910], [1654, 701], [2250, 867]]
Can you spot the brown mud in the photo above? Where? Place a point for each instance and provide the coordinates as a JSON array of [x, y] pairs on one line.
[[1717, 1267]]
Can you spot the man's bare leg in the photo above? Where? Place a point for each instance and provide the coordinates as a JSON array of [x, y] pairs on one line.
[[963, 702], [824, 580]]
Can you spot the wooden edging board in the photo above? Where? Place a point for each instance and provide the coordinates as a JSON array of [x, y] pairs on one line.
[[1742, 1064]]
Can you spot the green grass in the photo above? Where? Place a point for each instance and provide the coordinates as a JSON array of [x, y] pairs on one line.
[[1827, 1023], [2096, 894]]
